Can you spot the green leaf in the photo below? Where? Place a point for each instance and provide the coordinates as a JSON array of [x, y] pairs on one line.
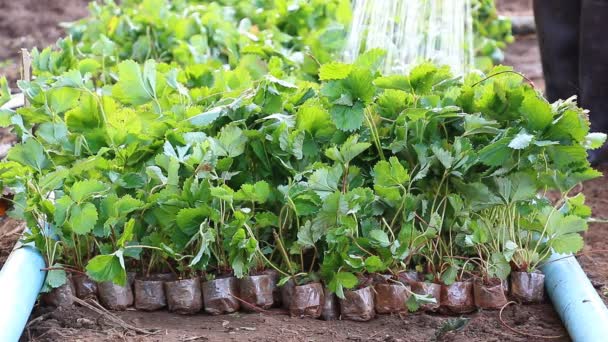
[[83, 190], [521, 141], [417, 300], [55, 277], [399, 82], [595, 140], [347, 118], [334, 71], [258, 192], [126, 205], [536, 111], [223, 192], [29, 153], [390, 179], [62, 99], [107, 268], [309, 234], [568, 243], [5, 91], [83, 218], [134, 86], [374, 264], [324, 181], [232, 141], [349, 150], [496, 154], [189, 219], [207, 117], [444, 157], [127, 234], [379, 238], [341, 281]]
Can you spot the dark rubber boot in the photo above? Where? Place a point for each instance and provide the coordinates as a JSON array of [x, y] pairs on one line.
[[557, 25], [593, 70]]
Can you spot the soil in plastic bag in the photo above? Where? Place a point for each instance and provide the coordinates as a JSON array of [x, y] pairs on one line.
[[61, 296], [220, 295], [391, 297], [306, 300], [150, 294], [184, 296], [528, 287], [256, 292], [276, 292], [331, 307], [489, 295], [358, 305], [409, 277], [85, 287], [115, 297], [287, 293], [457, 298], [424, 288]]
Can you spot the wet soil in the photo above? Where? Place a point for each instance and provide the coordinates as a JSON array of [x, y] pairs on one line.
[[30, 23]]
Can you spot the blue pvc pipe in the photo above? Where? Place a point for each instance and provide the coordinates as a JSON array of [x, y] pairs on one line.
[[21, 280], [576, 301]]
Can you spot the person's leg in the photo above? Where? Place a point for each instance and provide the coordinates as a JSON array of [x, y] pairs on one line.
[[557, 25], [594, 62]]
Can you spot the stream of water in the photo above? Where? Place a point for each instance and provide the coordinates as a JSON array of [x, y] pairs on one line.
[[412, 31]]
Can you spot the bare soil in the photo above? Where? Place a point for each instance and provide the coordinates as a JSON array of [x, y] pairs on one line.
[[30, 23]]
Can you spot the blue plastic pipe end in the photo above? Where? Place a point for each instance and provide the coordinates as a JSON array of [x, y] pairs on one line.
[[576, 301], [21, 279]]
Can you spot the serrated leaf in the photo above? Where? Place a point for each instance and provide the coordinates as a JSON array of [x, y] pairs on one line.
[[568, 243], [374, 264], [55, 277], [595, 140], [189, 219], [334, 71], [107, 268], [134, 86], [83, 218], [29, 153], [82, 190], [379, 238], [536, 111], [347, 118]]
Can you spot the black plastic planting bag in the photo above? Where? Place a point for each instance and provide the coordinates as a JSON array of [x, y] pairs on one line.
[[490, 295], [457, 298], [528, 287], [287, 293], [358, 305], [184, 296], [256, 292], [85, 287], [432, 289], [306, 300], [115, 297], [220, 295], [391, 298], [409, 277], [149, 294], [331, 308], [276, 292], [61, 296]]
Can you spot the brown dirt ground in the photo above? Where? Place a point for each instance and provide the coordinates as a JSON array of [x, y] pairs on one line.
[[32, 23], [17, 20]]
